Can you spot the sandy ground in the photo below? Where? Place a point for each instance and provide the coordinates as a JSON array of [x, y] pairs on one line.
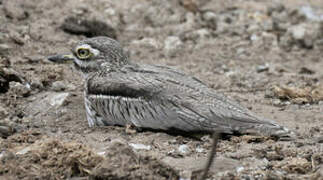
[[267, 56]]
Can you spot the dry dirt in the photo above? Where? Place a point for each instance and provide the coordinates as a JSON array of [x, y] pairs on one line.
[[266, 55]]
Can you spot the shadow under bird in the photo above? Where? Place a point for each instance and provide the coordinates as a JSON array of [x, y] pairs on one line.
[[121, 92]]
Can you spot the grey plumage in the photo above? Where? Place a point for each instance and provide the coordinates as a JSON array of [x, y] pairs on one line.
[[121, 92]]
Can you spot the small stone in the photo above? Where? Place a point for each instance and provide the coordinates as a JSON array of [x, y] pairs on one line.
[[13, 9], [58, 99], [23, 151], [263, 68], [36, 84], [183, 148], [140, 146], [276, 7], [35, 59], [172, 45], [268, 25], [298, 32], [253, 28], [3, 113], [89, 28], [277, 102], [305, 70], [16, 37], [239, 169], [4, 49], [319, 139], [147, 42], [58, 86], [6, 130], [202, 33], [254, 37], [6, 155], [19, 89], [199, 150], [211, 19]]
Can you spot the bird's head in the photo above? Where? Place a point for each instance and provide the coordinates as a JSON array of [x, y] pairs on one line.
[[94, 54]]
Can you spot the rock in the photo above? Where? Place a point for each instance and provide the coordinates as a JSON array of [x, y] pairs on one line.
[[172, 45], [13, 9], [24, 150], [3, 37], [310, 14], [268, 25], [275, 7], [305, 70], [88, 28], [58, 99], [58, 86], [201, 33], [200, 150], [19, 89], [298, 32], [262, 68], [3, 113], [147, 42], [36, 84], [16, 37], [8, 75], [35, 59], [4, 49], [6, 130], [140, 146], [183, 149], [211, 19]]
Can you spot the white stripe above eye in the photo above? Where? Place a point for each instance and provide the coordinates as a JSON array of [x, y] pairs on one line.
[[94, 51]]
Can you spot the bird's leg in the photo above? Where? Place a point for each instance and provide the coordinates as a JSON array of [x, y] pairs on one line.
[[211, 156]]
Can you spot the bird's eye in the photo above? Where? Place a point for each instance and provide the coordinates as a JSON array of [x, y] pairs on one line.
[[83, 53]]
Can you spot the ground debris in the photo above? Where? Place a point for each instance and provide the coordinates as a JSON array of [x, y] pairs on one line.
[[299, 95], [295, 165], [55, 159], [8, 75], [88, 28]]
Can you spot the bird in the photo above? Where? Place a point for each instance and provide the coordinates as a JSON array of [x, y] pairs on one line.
[[121, 92]]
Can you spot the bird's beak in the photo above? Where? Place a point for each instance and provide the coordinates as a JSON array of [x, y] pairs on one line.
[[61, 58]]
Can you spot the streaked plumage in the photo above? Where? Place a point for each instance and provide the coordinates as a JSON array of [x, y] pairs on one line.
[[121, 92]]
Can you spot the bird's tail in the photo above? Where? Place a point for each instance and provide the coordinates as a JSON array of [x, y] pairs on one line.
[[268, 128]]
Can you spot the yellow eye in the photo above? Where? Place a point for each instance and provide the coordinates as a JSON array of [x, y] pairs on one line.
[[83, 53]]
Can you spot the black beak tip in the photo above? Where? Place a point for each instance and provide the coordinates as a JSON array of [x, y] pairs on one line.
[[52, 58]]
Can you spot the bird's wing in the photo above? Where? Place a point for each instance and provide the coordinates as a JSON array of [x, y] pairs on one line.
[[168, 98]]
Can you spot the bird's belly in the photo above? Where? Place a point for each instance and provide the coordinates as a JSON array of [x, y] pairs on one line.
[[114, 110]]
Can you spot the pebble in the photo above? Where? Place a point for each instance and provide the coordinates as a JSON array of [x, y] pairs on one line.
[[172, 45], [199, 150], [202, 33], [20, 89], [147, 42], [298, 32], [58, 86], [211, 19], [239, 169], [23, 151], [13, 9], [183, 148], [263, 68], [3, 113], [140, 146], [58, 99], [4, 49]]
